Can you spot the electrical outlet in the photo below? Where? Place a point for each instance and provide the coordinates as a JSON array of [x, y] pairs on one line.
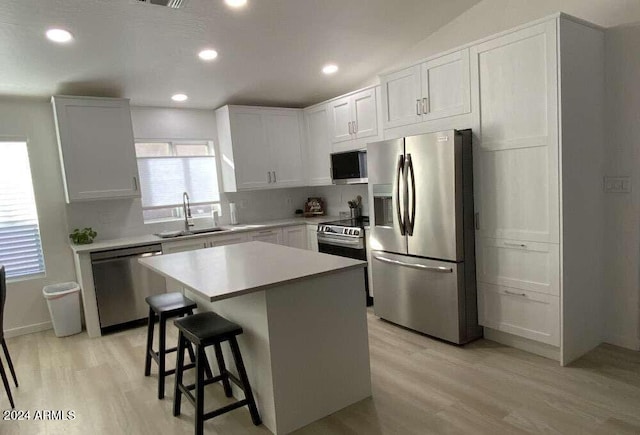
[[288, 201], [617, 184]]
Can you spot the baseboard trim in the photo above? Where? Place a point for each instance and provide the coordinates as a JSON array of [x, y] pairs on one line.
[[541, 349], [29, 329], [632, 343]]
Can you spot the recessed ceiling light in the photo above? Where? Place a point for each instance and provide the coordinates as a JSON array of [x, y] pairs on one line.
[[59, 35], [235, 3], [330, 69], [179, 97], [208, 54]]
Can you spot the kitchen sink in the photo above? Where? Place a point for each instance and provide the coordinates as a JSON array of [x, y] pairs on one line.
[[174, 234]]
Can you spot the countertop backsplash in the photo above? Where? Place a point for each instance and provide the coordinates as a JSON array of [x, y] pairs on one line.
[[114, 219]]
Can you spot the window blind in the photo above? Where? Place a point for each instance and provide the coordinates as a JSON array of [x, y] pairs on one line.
[[20, 245], [164, 179]]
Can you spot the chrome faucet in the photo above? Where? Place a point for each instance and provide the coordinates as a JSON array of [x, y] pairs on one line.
[[186, 210]]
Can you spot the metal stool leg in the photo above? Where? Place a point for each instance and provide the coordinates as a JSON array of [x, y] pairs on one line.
[[8, 357], [177, 394], [147, 361], [5, 381], [161, 355], [242, 373], [223, 370]]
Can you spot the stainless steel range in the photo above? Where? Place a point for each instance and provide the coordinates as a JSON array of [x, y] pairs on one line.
[[346, 239]]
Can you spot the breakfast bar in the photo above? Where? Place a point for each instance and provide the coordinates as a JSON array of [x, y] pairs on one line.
[[303, 313]]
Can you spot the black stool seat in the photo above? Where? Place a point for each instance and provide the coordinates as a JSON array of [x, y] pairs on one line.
[[202, 330], [165, 306], [170, 302], [206, 328]]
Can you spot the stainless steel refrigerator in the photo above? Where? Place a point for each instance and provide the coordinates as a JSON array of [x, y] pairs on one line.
[[422, 234]]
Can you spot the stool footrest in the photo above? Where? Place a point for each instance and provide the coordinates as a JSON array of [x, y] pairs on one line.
[[186, 367], [225, 409]]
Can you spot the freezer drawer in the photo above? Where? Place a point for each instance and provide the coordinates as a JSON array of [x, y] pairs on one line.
[[425, 295]]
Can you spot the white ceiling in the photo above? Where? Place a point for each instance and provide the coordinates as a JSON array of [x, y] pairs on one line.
[[270, 52]]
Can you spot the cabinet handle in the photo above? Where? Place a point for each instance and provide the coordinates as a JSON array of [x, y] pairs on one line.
[[355, 127], [515, 293], [135, 184], [269, 175], [515, 245], [350, 132], [477, 221], [418, 107], [264, 232], [425, 105], [274, 177]]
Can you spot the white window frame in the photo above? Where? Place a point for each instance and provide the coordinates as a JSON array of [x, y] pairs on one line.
[[177, 213], [43, 272]]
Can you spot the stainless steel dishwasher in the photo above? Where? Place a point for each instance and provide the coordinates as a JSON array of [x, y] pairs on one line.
[[122, 284]]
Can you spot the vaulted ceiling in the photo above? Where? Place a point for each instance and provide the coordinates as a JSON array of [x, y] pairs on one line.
[[270, 52]]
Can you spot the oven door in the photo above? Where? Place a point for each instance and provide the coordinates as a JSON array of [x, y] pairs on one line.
[[346, 249]]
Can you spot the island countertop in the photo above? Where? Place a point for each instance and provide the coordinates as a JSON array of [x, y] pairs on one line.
[[227, 271]]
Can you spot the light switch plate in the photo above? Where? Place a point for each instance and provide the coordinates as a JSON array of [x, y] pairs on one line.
[[617, 184]]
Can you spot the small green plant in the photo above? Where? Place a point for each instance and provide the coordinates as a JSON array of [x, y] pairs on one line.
[[83, 237]]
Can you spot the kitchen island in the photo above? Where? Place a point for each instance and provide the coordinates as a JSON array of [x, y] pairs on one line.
[[305, 340]]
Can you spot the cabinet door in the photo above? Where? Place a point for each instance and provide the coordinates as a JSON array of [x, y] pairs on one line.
[[251, 152], [340, 118], [295, 237], [95, 136], [318, 162], [517, 156], [183, 246], [283, 136], [231, 239], [446, 89], [269, 236], [365, 120], [401, 97], [312, 238]]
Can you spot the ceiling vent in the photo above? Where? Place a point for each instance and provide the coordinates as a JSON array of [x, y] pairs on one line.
[[174, 4]]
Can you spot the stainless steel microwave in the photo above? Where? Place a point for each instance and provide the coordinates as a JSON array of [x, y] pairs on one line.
[[349, 167]]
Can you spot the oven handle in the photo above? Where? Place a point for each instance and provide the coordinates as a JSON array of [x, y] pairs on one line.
[[339, 241], [414, 265]]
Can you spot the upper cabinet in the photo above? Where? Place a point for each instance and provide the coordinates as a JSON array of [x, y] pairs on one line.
[[354, 119], [95, 137], [318, 146], [260, 147], [435, 89]]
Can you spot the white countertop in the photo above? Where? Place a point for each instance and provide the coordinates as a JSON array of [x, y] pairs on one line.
[[126, 242], [227, 271]]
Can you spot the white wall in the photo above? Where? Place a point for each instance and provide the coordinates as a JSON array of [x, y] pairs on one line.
[[621, 254], [26, 309]]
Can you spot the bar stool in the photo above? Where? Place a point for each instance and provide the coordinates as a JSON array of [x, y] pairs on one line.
[[166, 306], [3, 297], [203, 330]]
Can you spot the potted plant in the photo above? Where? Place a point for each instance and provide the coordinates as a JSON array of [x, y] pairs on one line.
[[83, 237]]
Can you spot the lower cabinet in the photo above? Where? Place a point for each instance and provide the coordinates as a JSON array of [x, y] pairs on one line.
[[184, 245], [312, 238], [268, 236], [295, 237], [528, 314], [228, 239]]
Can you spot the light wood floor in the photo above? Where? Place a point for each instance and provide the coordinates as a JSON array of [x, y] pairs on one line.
[[420, 386]]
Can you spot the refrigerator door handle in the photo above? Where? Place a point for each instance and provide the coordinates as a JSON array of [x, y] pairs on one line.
[[414, 265], [399, 176], [411, 208]]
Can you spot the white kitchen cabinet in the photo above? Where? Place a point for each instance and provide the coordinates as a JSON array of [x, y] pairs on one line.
[[95, 139], [523, 313], [228, 239], [268, 236], [367, 234], [312, 238], [435, 89], [260, 147], [318, 146], [353, 119], [184, 245], [517, 159], [295, 237]]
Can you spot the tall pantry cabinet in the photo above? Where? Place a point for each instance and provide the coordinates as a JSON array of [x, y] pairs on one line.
[[539, 97]]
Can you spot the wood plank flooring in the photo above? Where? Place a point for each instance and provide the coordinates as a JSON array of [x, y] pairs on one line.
[[420, 386]]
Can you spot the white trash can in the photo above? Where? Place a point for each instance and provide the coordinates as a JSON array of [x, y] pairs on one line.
[[64, 307]]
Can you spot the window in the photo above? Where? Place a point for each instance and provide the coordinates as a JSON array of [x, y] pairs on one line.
[[169, 168], [20, 245]]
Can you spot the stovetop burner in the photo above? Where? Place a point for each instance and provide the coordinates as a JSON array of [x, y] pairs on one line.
[[360, 222]]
